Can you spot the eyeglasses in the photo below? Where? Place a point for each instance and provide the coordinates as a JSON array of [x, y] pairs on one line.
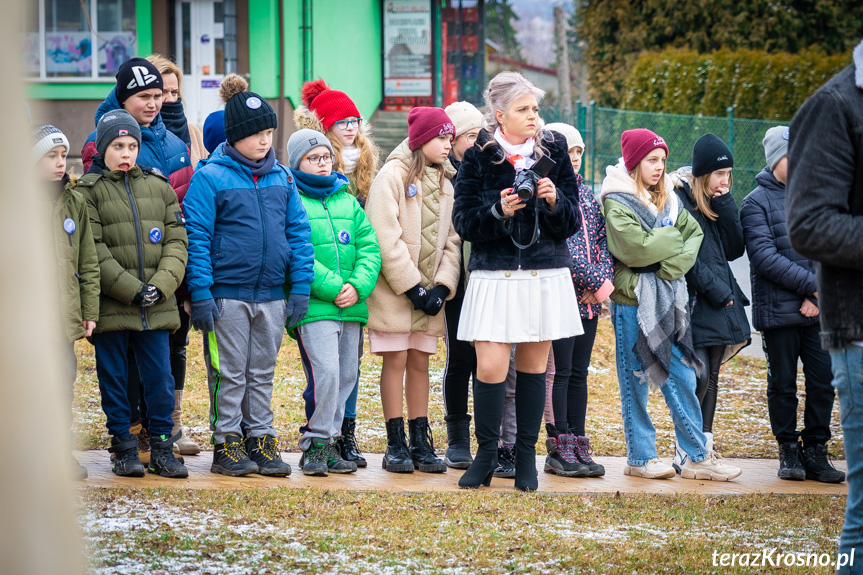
[[345, 124], [325, 159]]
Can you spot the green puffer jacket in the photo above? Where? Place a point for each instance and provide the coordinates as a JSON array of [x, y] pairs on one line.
[[346, 248], [140, 239], [78, 265], [674, 248]]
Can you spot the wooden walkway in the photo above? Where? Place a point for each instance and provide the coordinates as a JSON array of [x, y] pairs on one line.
[[759, 476]]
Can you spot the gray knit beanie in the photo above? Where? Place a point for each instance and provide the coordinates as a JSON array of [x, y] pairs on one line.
[[46, 138], [301, 142], [775, 145], [115, 124]]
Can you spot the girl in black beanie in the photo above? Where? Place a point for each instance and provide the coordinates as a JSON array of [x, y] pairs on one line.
[[719, 325]]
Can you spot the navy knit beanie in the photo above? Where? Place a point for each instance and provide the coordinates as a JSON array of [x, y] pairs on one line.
[[214, 130]]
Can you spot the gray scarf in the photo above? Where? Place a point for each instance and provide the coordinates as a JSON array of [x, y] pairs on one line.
[[663, 306]]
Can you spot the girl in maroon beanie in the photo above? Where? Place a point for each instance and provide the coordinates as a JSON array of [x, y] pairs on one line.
[[410, 206], [654, 241]]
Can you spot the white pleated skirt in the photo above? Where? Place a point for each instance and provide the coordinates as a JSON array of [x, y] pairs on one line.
[[519, 306]]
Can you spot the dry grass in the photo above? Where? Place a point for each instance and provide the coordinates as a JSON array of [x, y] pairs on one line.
[[742, 425]]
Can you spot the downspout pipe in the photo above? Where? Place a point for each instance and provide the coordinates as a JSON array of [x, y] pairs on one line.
[[281, 104]]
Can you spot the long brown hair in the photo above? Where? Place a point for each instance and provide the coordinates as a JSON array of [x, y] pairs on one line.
[[702, 195], [655, 194], [416, 167]]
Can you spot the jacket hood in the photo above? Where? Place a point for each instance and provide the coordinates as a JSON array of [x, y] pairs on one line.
[[403, 154], [112, 103], [682, 178], [766, 179], [320, 187]]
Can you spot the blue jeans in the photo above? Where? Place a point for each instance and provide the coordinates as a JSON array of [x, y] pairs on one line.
[[678, 391], [152, 354], [848, 381]]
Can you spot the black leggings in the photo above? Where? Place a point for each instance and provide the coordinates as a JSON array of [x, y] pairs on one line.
[[179, 340], [707, 387], [460, 364], [569, 390]]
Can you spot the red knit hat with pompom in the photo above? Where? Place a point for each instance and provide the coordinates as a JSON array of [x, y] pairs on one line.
[[329, 105]]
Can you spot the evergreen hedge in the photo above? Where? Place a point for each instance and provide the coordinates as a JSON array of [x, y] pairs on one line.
[[759, 85]]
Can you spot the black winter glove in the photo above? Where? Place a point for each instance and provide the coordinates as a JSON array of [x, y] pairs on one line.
[[204, 315], [418, 296], [148, 296], [297, 307], [437, 296]]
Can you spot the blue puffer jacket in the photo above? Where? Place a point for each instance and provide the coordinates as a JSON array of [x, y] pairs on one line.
[[160, 149], [781, 278], [246, 237]]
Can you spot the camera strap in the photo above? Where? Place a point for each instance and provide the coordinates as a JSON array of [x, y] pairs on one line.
[[535, 237]]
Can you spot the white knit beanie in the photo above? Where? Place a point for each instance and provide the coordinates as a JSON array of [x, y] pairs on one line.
[[573, 136], [464, 116], [46, 138]]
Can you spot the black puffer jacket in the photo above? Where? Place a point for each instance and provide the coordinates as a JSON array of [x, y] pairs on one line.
[[710, 282], [781, 278], [480, 181]]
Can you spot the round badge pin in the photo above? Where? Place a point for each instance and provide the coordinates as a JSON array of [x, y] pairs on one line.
[[155, 236], [69, 226], [785, 134], [666, 221], [412, 190], [344, 236], [253, 103]]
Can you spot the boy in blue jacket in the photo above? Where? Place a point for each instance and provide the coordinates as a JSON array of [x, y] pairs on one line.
[[249, 245]]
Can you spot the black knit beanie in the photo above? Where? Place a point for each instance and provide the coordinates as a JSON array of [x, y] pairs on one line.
[[246, 114], [710, 154], [136, 75]]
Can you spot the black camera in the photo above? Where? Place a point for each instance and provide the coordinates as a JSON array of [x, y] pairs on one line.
[[527, 179]]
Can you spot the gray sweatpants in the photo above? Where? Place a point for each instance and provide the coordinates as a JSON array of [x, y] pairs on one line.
[[241, 358], [329, 351]]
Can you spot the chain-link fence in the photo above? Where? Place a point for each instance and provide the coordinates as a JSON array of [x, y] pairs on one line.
[[601, 129]]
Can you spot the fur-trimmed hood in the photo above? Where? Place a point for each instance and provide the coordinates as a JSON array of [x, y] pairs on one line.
[[618, 180]]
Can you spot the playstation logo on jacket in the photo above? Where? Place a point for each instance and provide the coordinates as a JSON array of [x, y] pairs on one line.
[[136, 75]]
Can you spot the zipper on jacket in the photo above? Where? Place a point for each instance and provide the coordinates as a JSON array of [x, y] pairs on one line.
[[335, 244], [264, 232], [139, 242]]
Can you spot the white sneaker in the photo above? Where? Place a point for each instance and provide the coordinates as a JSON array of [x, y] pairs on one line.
[[653, 469], [712, 469], [680, 458]]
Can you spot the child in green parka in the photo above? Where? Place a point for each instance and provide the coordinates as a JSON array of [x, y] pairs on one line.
[[77, 264], [347, 263]]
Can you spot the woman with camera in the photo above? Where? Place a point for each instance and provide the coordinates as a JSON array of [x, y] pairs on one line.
[[516, 202]]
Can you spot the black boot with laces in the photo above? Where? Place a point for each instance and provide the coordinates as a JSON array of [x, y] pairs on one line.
[[818, 466], [264, 451], [230, 458], [347, 443], [422, 447], [162, 460]]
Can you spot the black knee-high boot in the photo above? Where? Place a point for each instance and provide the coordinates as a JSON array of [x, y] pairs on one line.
[[488, 412], [529, 405]]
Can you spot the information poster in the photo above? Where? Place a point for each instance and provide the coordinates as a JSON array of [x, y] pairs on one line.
[[407, 52]]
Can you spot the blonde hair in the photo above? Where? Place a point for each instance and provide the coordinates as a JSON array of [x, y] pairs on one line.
[[702, 195], [166, 66], [656, 194], [502, 91], [416, 167], [367, 164]]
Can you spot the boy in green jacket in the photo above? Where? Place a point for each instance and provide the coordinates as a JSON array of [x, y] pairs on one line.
[[347, 263], [141, 243], [77, 265]]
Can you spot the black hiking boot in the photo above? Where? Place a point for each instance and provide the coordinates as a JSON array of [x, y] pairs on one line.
[[162, 460], [230, 458], [347, 443], [583, 453], [818, 465], [397, 458], [313, 461], [791, 461], [505, 461], [561, 459], [124, 457], [264, 451], [422, 447], [335, 462], [458, 454]]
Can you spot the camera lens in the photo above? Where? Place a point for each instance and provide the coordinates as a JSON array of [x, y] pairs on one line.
[[525, 191]]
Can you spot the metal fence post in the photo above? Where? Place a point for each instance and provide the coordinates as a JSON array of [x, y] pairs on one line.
[[592, 105], [730, 110]]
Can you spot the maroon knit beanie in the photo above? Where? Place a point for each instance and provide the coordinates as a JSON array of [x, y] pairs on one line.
[[329, 105], [426, 124], [636, 144]]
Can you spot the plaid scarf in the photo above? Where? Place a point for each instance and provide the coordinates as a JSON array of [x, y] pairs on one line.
[[663, 305]]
